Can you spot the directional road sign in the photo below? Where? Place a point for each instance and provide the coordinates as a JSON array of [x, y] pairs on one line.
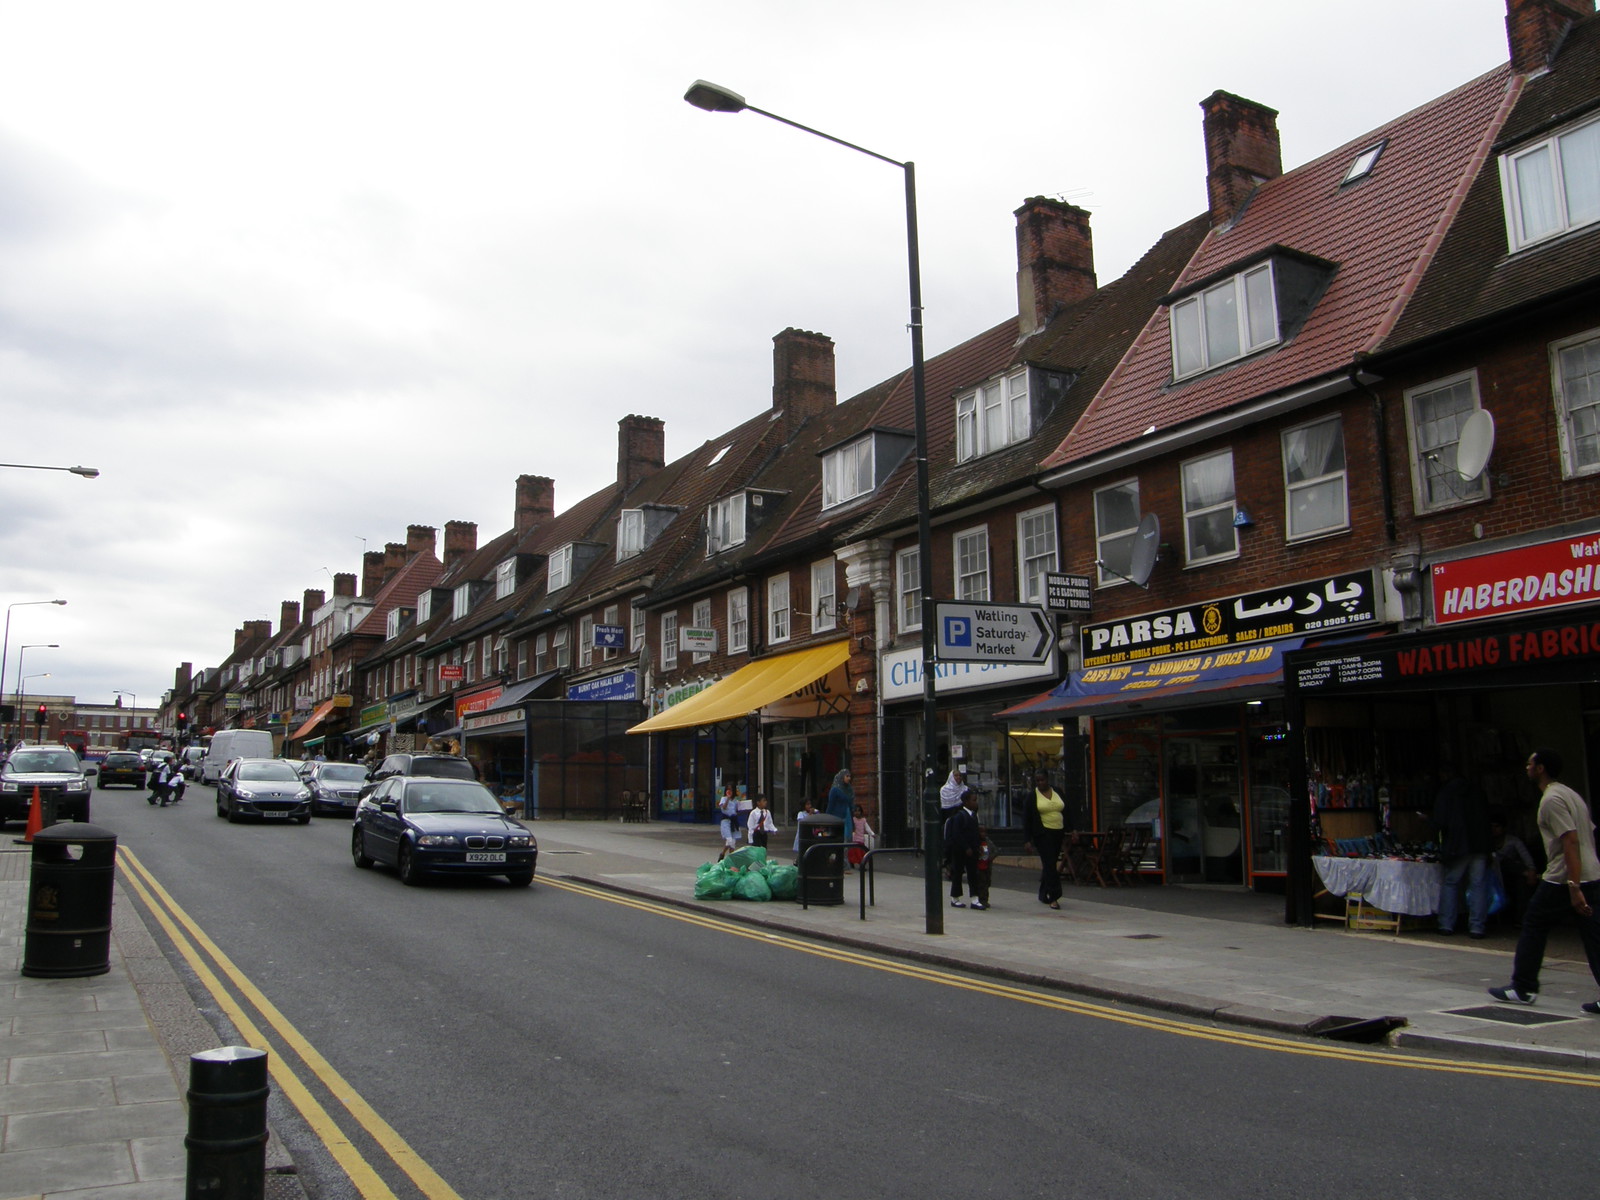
[[1005, 633]]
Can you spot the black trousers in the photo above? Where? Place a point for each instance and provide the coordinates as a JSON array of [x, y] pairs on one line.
[[1048, 843], [1552, 906], [965, 862]]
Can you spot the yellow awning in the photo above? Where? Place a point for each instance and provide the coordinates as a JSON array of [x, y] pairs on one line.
[[317, 718], [750, 687]]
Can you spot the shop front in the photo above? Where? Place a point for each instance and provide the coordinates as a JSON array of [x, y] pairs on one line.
[[493, 730]]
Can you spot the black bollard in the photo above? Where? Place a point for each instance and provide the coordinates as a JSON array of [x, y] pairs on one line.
[[227, 1140]]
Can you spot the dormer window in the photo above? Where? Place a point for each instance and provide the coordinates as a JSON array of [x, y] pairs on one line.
[[397, 620], [505, 579], [847, 472], [725, 523], [424, 607], [461, 601], [630, 533], [993, 416], [559, 573], [1553, 185], [1225, 321]]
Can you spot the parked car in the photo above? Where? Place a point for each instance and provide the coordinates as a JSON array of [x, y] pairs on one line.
[[57, 773], [439, 766], [335, 786], [424, 824], [189, 761], [268, 788], [121, 766]]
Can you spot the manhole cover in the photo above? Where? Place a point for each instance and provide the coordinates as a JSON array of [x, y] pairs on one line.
[[1508, 1016]]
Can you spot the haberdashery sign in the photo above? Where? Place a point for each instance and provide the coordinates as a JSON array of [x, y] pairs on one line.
[[1526, 579], [1292, 610]]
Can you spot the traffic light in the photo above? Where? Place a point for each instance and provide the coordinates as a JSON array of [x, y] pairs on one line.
[[183, 722], [40, 716]]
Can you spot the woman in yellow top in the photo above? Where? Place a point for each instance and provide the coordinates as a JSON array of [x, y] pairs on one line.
[[1047, 828]]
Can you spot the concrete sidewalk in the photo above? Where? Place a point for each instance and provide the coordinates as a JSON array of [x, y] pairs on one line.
[[1239, 964]]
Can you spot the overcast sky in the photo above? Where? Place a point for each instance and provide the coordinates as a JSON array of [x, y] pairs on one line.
[[294, 276]]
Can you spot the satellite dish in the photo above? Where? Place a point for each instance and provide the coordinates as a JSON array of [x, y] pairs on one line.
[[1475, 445], [1146, 545]]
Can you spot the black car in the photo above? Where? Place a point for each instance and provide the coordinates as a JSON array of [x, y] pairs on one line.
[[335, 786], [427, 824], [440, 766], [268, 788], [55, 772], [121, 766]]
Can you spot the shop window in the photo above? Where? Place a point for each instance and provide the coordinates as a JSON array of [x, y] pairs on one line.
[[1208, 508], [908, 589], [738, 620], [778, 608], [1036, 552], [972, 564], [1116, 525], [1575, 371], [1435, 414], [1314, 479], [824, 595]]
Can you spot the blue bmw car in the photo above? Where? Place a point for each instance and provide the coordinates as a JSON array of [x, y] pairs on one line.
[[423, 825]]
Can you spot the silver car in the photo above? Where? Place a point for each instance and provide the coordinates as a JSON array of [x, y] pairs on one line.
[[267, 788]]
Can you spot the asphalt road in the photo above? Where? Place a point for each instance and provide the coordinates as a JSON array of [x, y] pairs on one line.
[[549, 1043]]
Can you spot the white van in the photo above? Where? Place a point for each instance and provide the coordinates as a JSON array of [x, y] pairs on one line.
[[229, 744]]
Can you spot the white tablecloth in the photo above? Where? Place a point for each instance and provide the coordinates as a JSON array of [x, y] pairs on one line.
[[1392, 884]]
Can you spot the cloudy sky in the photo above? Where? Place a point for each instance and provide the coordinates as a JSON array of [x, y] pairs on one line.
[[294, 276]]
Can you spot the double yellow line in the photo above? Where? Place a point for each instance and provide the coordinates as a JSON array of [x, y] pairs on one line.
[[197, 949]]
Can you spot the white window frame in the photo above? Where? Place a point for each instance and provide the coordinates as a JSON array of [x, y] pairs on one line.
[[1038, 552], [993, 415], [669, 641], [848, 472], [636, 621], [541, 653], [1104, 537], [560, 649], [971, 581], [392, 623], [522, 659], [1561, 389], [908, 588], [1199, 308], [586, 641], [460, 601], [1342, 476], [505, 578], [1556, 149], [558, 572], [630, 533], [1193, 508], [701, 619], [778, 614], [610, 616], [725, 523], [424, 606], [824, 595], [1432, 459], [738, 620]]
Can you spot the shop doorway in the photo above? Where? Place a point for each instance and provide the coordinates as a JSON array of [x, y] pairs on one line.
[[1204, 828]]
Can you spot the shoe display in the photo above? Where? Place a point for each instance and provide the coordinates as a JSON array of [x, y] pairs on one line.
[[1510, 995]]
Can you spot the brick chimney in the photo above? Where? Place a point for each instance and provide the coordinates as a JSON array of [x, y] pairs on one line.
[[536, 496], [241, 635], [183, 678], [421, 539], [641, 449], [262, 630], [372, 576], [311, 601], [802, 375], [394, 557], [288, 616], [1055, 260], [1534, 28], [460, 541], [344, 584], [1242, 151]]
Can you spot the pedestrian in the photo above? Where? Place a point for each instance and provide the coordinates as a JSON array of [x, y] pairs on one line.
[[807, 811], [728, 812], [952, 790], [1044, 817], [842, 799], [158, 784], [175, 782], [1514, 861], [759, 823], [1461, 817], [963, 840], [862, 836], [746, 806], [1570, 887]]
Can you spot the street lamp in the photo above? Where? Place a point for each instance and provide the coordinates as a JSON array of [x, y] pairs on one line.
[[5, 643], [712, 98], [20, 651], [86, 472]]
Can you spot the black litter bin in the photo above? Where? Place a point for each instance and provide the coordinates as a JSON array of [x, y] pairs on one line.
[[69, 902], [821, 871]]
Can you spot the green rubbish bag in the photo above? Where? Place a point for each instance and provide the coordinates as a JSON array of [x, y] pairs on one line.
[[746, 857], [784, 881], [715, 884], [752, 885]]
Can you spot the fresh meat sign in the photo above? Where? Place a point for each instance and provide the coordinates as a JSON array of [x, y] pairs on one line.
[[1515, 581]]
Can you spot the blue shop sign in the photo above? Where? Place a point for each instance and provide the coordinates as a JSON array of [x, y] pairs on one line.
[[624, 685]]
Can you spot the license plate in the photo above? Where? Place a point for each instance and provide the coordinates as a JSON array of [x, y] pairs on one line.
[[270, 814], [486, 856]]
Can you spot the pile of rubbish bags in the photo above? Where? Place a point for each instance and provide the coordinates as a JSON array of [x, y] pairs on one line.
[[747, 875]]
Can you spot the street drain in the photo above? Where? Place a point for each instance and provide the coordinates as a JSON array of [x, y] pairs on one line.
[[1507, 1016], [1355, 1029]]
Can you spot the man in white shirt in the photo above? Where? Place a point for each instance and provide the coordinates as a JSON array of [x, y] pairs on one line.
[[1570, 886]]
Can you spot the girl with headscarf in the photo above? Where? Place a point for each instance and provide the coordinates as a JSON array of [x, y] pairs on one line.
[[842, 802]]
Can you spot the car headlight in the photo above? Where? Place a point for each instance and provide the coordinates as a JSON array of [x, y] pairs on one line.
[[9, 785], [303, 794], [519, 843], [78, 785], [436, 839], [243, 794]]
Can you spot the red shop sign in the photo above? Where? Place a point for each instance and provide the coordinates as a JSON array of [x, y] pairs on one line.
[[1527, 579], [446, 671]]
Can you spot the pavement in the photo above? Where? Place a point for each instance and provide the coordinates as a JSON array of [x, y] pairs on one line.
[[93, 1070]]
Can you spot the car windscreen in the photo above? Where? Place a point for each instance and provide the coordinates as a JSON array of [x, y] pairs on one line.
[[268, 772], [450, 797], [443, 768], [342, 773], [122, 760], [24, 762]]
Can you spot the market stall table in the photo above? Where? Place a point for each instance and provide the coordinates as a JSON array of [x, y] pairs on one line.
[[1396, 885]]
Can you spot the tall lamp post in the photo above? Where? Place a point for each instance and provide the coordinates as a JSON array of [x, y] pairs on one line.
[[5, 643], [133, 720], [712, 98], [22, 679], [21, 650]]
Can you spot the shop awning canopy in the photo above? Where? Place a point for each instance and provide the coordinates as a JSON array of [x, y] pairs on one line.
[[517, 693], [317, 718], [1218, 676], [750, 688]]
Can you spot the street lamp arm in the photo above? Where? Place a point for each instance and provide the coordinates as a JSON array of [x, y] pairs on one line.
[[712, 98], [86, 472]]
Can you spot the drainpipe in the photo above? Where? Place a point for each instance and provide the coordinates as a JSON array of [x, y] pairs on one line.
[[1381, 430]]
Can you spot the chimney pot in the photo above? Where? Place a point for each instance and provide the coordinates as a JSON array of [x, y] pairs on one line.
[[311, 601], [641, 449], [1534, 29], [372, 574], [1055, 260], [802, 375], [460, 541], [1242, 151], [344, 584], [536, 501]]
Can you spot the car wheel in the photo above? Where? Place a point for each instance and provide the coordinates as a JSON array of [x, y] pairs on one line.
[[410, 873], [233, 815], [99, 785], [521, 878], [305, 820], [221, 812], [358, 851]]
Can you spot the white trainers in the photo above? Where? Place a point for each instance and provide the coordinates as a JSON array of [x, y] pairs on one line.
[[1510, 995]]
